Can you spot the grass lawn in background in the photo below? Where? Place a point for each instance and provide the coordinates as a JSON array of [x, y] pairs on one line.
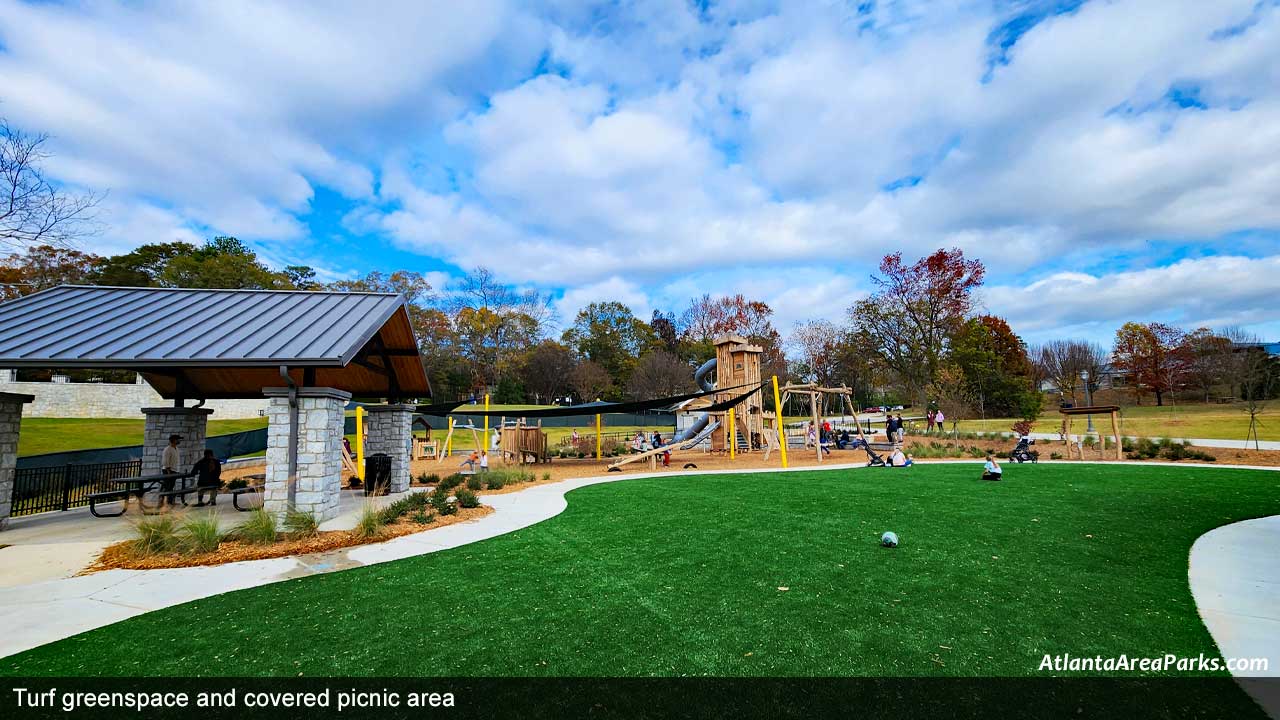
[[1221, 422], [740, 575], [48, 435]]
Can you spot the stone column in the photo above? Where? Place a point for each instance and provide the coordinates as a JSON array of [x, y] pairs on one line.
[[391, 433], [319, 475], [10, 425], [162, 422]]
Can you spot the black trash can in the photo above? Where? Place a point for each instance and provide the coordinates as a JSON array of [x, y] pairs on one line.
[[377, 474]]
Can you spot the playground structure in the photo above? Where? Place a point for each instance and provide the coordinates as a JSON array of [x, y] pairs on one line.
[[735, 429], [1112, 410], [423, 447], [818, 397], [523, 443]]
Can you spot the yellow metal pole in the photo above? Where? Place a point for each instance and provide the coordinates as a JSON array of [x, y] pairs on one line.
[[485, 439], [733, 437], [598, 452], [448, 445], [360, 443], [782, 433]]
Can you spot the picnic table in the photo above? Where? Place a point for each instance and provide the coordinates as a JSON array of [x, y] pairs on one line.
[[130, 489], [257, 481]]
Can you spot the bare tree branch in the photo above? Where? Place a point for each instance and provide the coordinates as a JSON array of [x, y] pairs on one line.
[[33, 211]]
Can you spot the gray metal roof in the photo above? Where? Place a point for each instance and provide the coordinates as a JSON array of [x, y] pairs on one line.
[[70, 326]]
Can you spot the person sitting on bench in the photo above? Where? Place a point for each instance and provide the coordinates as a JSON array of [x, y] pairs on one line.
[[842, 439], [991, 470], [208, 472]]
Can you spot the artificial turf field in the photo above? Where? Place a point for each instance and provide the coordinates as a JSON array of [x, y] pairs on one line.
[[740, 575]]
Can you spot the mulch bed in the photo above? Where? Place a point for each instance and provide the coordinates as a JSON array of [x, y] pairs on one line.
[[120, 555]]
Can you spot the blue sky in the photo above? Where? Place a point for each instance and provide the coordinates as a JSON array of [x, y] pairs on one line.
[[1108, 160]]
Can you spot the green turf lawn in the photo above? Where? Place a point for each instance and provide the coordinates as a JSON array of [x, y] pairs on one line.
[[684, 576], [47, 435], [1222, 422]]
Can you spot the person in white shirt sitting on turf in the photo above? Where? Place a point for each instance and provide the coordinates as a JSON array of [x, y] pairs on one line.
[[991, 470]]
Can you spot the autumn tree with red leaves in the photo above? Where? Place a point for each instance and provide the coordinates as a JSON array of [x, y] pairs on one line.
[[707, 318], [910, 319], [1149, 354]]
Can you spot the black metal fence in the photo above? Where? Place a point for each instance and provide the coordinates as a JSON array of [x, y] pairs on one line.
[[61, 487]]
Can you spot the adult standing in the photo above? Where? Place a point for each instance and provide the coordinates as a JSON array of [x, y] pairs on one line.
[[932, 415], [208, 473], [902, 428], [170, 460], [939, 417]]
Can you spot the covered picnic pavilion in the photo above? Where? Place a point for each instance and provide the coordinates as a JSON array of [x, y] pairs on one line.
[[308, 352]]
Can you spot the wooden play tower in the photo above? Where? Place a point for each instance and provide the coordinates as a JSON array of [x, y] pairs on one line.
[[737, 364]]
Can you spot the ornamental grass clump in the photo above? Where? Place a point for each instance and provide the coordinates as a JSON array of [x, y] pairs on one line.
[[299, 524], [154, 535], [257, 529], [370, 525], [199, 534]]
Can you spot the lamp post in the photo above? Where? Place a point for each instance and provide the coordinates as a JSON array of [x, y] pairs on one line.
[[1088, 399]]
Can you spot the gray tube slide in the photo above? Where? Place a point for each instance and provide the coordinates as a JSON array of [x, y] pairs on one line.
[[699, 377]]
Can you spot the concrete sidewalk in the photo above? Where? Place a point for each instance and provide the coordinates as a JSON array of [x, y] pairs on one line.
[[1235, 580]]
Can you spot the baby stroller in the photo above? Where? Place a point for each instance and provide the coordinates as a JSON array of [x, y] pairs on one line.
[[873, 460], [1023, 452]]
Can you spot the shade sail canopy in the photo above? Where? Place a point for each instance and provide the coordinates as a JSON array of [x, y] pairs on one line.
[[195, 343]]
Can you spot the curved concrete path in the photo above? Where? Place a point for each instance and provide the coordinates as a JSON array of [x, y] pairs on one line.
[[1235, 580], [38, 613]]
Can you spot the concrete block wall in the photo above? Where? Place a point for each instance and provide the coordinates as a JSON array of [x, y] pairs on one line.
[[319, 448], [10, 426], [108, 400], [161, 422], [390, 431]]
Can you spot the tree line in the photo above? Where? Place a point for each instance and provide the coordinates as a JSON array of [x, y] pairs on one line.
[[919, 339]]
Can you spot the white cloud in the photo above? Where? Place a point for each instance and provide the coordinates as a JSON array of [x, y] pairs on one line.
[[1211, 291], [235, 112]]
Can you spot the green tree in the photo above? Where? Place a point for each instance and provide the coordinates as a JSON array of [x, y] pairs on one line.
[[223, 262], [608, 334], [992, 361], [140, 267]]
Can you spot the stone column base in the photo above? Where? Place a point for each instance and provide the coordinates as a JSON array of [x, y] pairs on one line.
[[10, 426], [319, 451], [391, 433]]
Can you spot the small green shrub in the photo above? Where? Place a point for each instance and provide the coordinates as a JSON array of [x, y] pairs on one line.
[[475, 483], [422, 517], [370, 524], [155, 534], [299, 524], [429, 479], [493, 481], [467, 499], [257, 529], [546, 477], [200, 534], [1055, 456], [451, 481], [441, 503], [237, 484]]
